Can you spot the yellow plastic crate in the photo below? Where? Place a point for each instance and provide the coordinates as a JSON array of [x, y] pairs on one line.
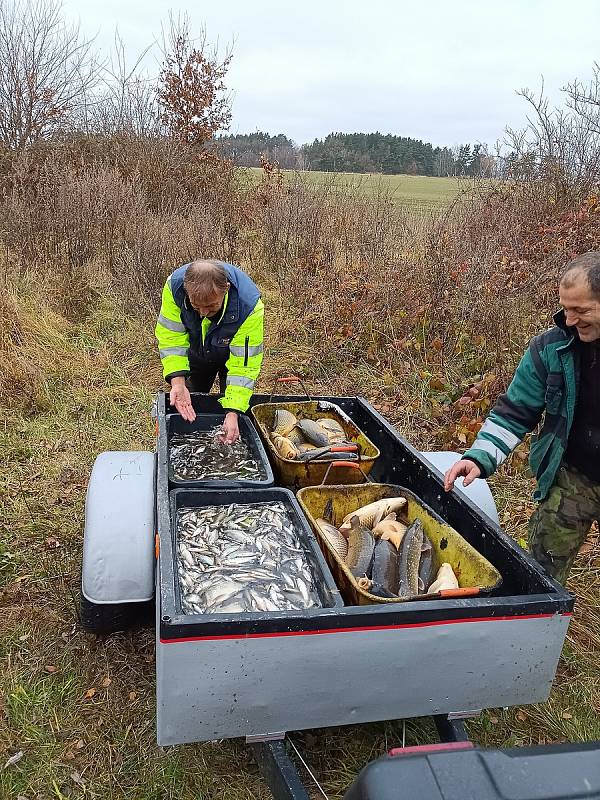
[[311, 473], [474, 573]]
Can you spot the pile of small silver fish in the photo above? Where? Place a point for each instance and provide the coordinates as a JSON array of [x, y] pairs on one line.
[[308, 439], [238, 558], [201, 456], [387, 557]]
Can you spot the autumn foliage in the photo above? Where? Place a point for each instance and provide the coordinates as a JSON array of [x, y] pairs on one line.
[[191, 92]]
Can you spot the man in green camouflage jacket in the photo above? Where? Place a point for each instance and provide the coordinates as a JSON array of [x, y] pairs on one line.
[[558, 379]]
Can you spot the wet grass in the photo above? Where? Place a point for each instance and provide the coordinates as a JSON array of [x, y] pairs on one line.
[[82, 709]]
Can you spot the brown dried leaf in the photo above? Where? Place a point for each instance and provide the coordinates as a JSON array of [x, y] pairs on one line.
[[106, 682], [50, 668], [90, 693], [133, 695]]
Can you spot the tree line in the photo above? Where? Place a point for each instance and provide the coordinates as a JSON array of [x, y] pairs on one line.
[[358, 152]]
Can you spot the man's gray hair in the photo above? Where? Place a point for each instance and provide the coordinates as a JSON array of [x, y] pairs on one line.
[[205, 279], [586, 266]]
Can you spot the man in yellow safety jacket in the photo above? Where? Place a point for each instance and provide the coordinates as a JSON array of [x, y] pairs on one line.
[[211, 323]]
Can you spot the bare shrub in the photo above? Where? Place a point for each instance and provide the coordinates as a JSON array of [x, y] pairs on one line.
[[46, 71]]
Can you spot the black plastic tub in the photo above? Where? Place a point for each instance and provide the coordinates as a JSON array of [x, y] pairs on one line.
[[325, 585], [204, 422]]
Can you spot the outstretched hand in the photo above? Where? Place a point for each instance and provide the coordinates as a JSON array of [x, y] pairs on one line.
[[181, 399], [231, 429], [465, 468]]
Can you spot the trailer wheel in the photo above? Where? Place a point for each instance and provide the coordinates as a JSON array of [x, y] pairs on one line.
[[104, 618]]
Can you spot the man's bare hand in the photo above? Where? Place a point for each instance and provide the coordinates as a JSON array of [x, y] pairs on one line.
[[180, 398], [231, 429], [465, 468]]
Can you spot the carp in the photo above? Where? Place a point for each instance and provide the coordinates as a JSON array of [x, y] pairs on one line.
[[445, 579], [283, 422], [296, 436], [304, 447], [371, 514], [333, 536], [313, 432], [361, 545], [390, 529], [334, 431], [283, 446], [409, 559]]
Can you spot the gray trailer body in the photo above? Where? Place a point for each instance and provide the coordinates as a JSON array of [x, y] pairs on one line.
[[260, 675], [265, 684]]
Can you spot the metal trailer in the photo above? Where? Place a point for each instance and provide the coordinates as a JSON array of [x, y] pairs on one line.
[[261, 675]]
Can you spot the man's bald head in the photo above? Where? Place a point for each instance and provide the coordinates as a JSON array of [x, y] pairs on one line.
[[587, 268], [206, 284]]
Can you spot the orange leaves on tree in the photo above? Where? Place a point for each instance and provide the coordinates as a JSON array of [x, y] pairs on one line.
[[191, 95]]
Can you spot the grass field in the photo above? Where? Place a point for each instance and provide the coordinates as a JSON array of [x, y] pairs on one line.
[[417, 192], [81, 710]]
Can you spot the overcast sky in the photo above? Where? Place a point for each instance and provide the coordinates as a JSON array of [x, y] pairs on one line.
[[444, 72]]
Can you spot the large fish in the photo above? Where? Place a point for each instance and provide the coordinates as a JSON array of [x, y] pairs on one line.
[[427, 565], [373, 513], [313, 432], [283, 421], [385, 566], [283, 446], [408, 562], [332, 428], [334, 537], [445, 579], [390, 529], [296, 436], [361, 545]]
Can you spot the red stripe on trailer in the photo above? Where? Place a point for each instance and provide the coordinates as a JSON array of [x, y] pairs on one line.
[[361, 628], [420, 749]]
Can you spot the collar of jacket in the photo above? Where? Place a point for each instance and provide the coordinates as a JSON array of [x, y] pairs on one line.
[[561, 322]]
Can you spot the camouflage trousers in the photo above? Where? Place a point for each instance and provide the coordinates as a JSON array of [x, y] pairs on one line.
[[561, 522]]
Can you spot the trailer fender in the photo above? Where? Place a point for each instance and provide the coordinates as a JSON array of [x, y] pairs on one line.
[[118, 543], [478, 492]]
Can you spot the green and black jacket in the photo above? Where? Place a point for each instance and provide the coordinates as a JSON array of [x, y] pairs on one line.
[[545, 384], [188, 342]]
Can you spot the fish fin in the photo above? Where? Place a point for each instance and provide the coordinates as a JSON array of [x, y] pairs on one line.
[[328, 512], [421, 585], [377, 519]]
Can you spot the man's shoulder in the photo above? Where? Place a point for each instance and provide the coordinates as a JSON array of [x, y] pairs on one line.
[[175, 280], [552, 338]]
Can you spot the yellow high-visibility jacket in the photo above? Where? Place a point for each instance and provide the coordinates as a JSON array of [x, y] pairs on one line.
[[188, 342]]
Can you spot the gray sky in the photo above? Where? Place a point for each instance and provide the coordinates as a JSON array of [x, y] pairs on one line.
[[444, 72]]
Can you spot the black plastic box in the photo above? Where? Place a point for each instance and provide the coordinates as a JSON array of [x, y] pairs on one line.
[[204, 422], [458, 771], [325, 585]]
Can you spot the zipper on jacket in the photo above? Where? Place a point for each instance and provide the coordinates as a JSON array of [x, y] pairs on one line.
[[246, 351]]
